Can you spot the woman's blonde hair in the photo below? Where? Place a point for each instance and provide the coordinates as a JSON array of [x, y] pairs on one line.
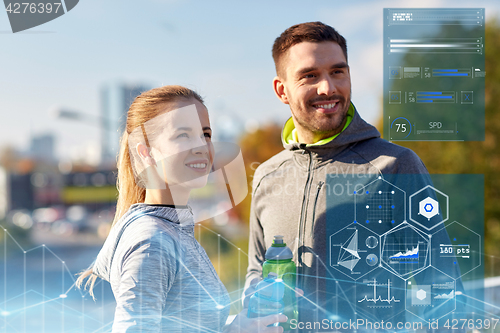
[[145, 107]]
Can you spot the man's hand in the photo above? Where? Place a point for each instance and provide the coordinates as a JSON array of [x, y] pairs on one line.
[[251, 290]]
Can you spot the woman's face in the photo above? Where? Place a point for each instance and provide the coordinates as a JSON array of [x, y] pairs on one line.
[[183, 149]]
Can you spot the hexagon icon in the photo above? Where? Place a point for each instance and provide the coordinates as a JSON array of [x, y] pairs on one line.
[[379, 205], [430, 294], [380, 295], [405, 250], [354, 250], [421, 294], [457, 249], [429, 207]]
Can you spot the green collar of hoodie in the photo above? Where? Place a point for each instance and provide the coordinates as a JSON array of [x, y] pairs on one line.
[[290, 132]]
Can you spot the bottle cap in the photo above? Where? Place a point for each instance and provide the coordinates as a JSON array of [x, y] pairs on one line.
[[278, 250], [278, 239]]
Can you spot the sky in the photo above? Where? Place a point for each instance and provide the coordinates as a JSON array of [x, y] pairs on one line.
[[222, 49]]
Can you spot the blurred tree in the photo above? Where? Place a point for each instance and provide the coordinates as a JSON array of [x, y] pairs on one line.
[[228, 253], [476, 157], [9, 158], [257, 147]]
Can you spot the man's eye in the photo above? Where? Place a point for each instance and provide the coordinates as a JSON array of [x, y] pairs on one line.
[[309, 76]]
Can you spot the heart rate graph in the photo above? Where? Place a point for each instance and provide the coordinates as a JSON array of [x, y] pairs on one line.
[[377, 298]]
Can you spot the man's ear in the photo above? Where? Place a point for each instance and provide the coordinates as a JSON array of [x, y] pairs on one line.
[[279, 89], [145, 155]]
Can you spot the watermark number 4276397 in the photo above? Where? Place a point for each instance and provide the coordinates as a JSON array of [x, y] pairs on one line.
[[26, 15]]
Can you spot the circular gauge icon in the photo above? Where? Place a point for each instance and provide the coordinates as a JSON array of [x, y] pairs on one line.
[[371, 242], [371, 259], [400, 128]]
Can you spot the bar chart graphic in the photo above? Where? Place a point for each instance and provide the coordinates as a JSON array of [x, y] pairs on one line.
[[434, 74], [443, 72], [436, 97]]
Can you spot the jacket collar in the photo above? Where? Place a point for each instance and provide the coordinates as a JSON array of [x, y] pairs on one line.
[[357, 130]]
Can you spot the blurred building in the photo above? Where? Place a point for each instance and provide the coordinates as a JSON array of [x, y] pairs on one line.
[[94, 188], [42, 147], [115, 101]]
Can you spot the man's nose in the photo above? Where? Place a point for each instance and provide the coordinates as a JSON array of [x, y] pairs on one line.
[[326, 86]]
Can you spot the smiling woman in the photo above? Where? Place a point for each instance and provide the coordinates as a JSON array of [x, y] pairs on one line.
[[161, 277], [173, 152]]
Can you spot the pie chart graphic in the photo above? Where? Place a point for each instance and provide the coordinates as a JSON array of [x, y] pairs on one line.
[[371, 259], [26, 15]]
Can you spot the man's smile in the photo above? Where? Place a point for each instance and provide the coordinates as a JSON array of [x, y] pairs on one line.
[[326, 107]]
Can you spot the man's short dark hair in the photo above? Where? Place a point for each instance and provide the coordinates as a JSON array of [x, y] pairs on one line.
[[315, 32]]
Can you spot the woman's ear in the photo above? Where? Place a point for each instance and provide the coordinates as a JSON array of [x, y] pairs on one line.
[[145, 155]]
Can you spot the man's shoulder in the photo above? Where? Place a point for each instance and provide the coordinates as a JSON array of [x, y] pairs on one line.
[[379, 146], [273, 164], [391, 157]]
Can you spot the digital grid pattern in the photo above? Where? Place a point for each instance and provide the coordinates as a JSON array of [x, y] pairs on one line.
[[380, 207], [38, 292]]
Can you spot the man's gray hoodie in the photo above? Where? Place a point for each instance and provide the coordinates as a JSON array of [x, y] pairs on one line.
[[289, 195]]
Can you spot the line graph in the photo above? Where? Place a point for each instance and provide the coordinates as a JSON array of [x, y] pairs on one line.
[[377, 297], [410, 254]]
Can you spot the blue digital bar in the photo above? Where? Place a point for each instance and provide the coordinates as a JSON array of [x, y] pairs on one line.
[[452, 74], [434, 97]]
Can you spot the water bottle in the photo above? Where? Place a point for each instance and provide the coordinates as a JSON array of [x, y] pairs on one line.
[[267, 299], [279, 261]]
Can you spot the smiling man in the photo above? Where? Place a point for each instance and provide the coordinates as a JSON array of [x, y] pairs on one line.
[[325, 136], [313, 78]]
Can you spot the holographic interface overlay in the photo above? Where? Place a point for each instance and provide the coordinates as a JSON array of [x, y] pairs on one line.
[[173, 152], [434, 73], [401, 249]]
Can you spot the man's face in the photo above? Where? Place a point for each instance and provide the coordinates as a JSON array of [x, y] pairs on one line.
[[317, 86]]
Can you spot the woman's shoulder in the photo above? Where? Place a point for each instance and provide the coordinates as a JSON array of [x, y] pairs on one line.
[[151, 229], [150, 224], [151, 236]]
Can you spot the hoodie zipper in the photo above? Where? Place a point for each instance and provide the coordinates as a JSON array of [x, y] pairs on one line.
[[320, 185], [303, 210]]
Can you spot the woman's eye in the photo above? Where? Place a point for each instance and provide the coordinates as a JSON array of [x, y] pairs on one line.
[[182, 135], [207, 135]]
